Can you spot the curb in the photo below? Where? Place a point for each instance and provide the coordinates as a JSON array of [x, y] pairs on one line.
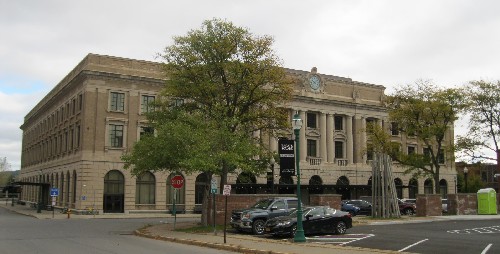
[[218, 246]]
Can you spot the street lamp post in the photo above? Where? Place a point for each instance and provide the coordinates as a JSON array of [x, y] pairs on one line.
[[299, 234], [466, 171], [272, 171]]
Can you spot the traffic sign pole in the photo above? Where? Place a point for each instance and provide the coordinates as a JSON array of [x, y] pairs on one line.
[[177, 182]]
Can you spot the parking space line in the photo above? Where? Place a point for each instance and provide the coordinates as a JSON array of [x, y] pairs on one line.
[[409, 246], [357, 239], [486, 249]]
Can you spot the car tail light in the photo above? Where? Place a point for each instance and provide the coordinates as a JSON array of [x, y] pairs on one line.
[[348, 215]]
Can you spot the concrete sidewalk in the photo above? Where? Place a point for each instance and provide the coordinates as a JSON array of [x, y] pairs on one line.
[[243, 243]]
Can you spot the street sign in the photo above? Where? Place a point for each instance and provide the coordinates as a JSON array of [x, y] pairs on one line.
[[54, 192], [213, 185], [177, 181], [287, 158], [53, 201], [227, 190]]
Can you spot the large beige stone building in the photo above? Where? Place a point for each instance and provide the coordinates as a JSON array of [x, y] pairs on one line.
[[74, 137]]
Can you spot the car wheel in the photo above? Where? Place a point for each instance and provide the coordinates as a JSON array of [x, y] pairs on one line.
[[258, 227], [408, 211], [340, 228]]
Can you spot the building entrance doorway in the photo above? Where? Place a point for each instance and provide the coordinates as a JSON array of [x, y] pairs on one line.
[[113, 192]]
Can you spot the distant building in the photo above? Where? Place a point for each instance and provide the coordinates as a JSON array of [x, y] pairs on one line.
[[74, 137]]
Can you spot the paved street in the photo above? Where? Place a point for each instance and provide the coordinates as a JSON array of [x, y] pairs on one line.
[[23, 234], [456, 236]]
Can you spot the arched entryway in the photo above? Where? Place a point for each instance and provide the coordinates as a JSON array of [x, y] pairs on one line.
[[286, 185], [342, 187], [428, 186], [315, 185], [200, 184], [443, 188], [245, 183], [114, 189], [413, 188], [399, 187]]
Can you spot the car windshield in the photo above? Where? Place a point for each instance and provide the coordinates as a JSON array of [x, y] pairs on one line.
[[263, 204]]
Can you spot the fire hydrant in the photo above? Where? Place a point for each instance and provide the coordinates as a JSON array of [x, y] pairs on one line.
[[69, 213]]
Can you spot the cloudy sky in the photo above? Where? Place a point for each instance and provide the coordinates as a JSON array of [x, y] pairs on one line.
[[384, 42]]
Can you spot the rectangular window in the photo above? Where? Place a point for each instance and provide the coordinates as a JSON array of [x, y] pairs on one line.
[[146, 131], [311, 120], [441, 157], [311, 147], [78, 136], [339, 150], [73, 106], [117, 101], [146, 103], [80, 101], [339, 123], [394, 129], [116, 135], [411, 150]]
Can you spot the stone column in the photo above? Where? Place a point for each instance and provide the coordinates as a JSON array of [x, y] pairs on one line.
[[323, 138], [350, 141]]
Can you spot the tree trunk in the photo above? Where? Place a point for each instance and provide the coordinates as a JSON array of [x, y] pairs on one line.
[[205, 212]]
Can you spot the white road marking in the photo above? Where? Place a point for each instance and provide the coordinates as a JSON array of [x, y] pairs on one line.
[[486, 249], [483, 230], [409, 246]]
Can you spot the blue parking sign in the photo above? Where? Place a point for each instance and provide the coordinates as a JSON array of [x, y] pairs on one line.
[[54, 192]]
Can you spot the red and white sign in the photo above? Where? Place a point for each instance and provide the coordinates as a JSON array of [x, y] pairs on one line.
[[177, 181], [227, 190]]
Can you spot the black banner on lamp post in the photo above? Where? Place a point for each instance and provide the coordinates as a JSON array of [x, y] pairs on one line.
[[287, 157]]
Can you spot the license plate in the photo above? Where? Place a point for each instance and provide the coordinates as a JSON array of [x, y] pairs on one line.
[[268, 229]]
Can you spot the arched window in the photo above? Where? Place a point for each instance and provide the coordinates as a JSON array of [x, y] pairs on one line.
[[315, 185], [343, 187], [413, 188], [180, 194], [245, 183], [145, 187], [114, 189], [428, 186], [62, 189], [443, 188], [399, 187], [67, 187], [74, 187]]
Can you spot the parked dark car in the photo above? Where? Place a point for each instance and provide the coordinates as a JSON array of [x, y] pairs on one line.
[[352, 209], [365, 207], [315, 220]]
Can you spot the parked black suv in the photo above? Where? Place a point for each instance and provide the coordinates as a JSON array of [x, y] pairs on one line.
[[254, 218]]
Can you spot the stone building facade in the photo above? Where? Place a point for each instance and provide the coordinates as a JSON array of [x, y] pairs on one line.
[[74, 137]]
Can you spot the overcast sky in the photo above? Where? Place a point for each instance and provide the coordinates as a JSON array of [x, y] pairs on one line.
[[387, 43]]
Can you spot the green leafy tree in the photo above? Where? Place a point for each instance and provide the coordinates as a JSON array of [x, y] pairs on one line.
[[482, 139], [426, 112], [224, 84]]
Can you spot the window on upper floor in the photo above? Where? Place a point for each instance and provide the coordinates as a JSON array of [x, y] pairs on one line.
[[116, 135], [339, 150], [311, 147], [441, 156], [117, 101], [339, 123], [311, 120], [394, 129], [147, 103], [411, 149], [145, 130]]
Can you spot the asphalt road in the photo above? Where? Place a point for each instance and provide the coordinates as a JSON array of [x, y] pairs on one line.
[[456, 237], [23, 234]]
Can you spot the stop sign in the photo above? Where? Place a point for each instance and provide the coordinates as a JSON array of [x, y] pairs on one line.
[[177, 181]]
